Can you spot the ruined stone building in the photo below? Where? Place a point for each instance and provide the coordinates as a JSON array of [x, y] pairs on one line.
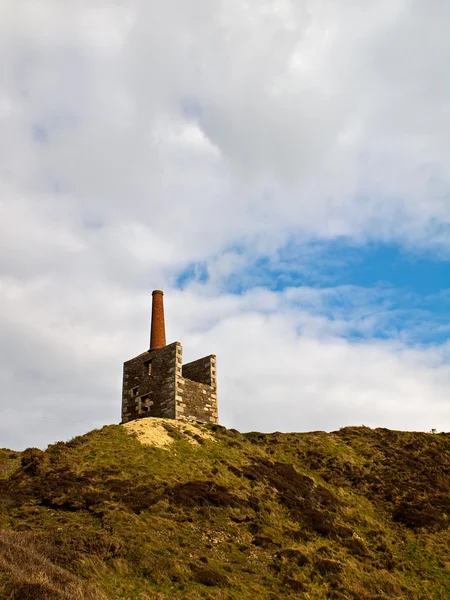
[[157, 384]]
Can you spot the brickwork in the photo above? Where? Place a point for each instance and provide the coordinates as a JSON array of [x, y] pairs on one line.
[[158, 327]]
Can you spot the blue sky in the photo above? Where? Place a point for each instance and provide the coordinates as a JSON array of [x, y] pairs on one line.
[[280, 168], [413, 288], [340, 263]]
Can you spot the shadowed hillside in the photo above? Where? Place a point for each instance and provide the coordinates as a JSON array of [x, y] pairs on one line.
[[157, 510]]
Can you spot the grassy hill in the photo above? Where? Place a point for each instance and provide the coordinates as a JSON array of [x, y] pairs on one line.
[[158, 510]]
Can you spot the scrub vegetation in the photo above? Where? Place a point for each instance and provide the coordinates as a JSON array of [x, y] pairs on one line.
[[357, 514]]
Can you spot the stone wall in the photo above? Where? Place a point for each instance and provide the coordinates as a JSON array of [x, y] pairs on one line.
[[155, 384], [197, 391], [196, 402], [149, 384], [202, 370]]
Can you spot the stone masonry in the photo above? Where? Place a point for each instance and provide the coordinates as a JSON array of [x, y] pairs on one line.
[[157, 384]]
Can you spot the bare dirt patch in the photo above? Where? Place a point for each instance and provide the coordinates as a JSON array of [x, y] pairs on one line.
[[152, 431]]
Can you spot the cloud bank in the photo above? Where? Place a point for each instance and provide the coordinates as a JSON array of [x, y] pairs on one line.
[[178, 145]]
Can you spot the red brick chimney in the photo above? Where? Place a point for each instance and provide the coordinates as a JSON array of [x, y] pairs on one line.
[[158, 330]]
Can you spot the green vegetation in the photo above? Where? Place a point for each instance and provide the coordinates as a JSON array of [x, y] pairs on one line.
[[357, 514]]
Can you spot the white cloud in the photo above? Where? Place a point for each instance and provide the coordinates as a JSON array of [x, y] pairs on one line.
[[137, 137], [341, 110], [280, 366], [283, 368]]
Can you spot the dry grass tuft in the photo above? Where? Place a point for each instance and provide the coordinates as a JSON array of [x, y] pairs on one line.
[[26, 574]]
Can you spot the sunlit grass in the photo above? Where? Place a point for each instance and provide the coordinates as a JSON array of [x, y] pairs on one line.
[[233, 517]]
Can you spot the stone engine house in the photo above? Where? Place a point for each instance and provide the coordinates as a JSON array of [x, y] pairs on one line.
[[157, 384]]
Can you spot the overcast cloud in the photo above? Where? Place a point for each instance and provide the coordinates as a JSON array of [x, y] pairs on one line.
[[176, 144]]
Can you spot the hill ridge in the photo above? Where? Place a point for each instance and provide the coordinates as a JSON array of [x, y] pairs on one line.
[[358, 513]]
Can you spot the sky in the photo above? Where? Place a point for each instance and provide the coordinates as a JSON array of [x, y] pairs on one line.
[[280, 168]]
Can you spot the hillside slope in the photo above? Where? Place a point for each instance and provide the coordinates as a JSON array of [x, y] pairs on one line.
[[157, 510]]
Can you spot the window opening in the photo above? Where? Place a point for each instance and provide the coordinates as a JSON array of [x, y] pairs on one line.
[[145, 403]]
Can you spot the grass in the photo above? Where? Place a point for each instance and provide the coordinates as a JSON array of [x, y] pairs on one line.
[[358, 514]]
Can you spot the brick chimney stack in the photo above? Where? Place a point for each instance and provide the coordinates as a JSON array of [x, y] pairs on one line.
[[158, 330]]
